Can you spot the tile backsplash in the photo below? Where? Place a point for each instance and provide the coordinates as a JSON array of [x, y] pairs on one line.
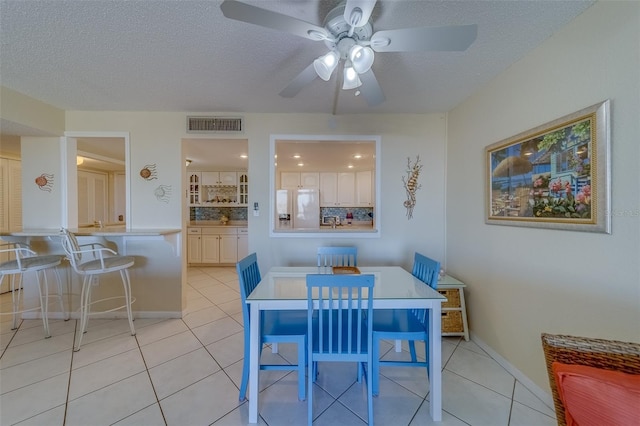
[[360, 214], [215, 213]]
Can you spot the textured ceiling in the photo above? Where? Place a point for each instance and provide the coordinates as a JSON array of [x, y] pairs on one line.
[[186, 56]]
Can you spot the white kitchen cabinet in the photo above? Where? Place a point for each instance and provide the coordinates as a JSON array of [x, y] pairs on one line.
[[219, 178], [337, 189], [243, 243], [92, 197], [210, 248], [194, 181], [328, 189], [10, 204], [11, 196], [194, 244], [296, 180], [228, 249], [243, 188], [119, 196], [215, 245], [364, 189]]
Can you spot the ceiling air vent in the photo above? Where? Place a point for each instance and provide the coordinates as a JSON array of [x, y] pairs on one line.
[[214, 125]]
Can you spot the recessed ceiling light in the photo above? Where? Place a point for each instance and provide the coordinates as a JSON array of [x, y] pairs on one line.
[[357, 156], [296, 155], [244, 156], [300, 164], [350, 166]]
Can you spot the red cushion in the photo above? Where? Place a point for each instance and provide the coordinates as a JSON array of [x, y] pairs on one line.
[[593, 396]]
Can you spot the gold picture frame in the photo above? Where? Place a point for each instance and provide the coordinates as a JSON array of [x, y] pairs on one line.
[[556, 175]]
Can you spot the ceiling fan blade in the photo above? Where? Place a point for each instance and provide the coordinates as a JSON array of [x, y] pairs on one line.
[[370, 89], [233, 9], [358, 12], [451, 38], [305, 77]]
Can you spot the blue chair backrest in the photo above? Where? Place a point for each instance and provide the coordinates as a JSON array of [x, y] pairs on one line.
[[343, 303], [426, 270], [337, 256], [249, 277]]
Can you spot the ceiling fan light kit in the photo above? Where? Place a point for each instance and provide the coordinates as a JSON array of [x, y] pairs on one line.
[[351, 78], [325, 65], [348, 34]]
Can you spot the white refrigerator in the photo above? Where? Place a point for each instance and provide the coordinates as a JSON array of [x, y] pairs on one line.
[[298, 209]]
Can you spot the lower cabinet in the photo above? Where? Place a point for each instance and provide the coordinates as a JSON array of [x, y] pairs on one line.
[[243, 243], [222, 245]]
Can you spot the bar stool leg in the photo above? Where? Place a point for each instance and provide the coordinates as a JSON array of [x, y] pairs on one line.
[[126, 281], [63, 311], [84, 297], [15, 301], [44, 301]]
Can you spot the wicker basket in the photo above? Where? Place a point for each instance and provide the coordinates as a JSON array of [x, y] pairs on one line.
[[452, 322], [599, 353], [453, 298]]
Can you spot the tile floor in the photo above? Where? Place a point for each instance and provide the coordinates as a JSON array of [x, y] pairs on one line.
[[187, 371]]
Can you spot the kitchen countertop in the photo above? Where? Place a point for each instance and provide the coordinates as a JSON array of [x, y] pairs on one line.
[[110, 231], [206, 223]]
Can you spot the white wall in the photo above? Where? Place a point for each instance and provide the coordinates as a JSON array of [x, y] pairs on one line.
[[156, 139], [42, 207], [524, 281]]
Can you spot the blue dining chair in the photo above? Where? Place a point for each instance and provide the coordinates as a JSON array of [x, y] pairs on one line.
[[404, 324], [276, 327], [338, 330], [337, 256]]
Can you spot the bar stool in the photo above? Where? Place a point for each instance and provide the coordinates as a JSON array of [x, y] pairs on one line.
[[90, 261], [26, 260]]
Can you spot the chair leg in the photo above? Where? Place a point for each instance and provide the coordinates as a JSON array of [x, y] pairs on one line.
[[15, 301], [412, 350], [374, 376], [44, 300], [302, 344], [126, 281], [64, 311], [311, 372], [370, 392], [245, 369], [84, 308]]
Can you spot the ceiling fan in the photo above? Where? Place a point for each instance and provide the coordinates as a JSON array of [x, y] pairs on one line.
[[348, 34]]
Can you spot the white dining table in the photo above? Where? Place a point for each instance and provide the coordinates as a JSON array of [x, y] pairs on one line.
[[284, 288]]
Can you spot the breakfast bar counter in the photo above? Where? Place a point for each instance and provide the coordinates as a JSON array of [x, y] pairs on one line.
[[156, 277]]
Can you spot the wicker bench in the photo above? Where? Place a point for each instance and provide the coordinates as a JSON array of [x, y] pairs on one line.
[[599, 353]]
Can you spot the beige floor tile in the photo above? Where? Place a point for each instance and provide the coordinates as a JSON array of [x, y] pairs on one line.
[[178, 373], [105, 372], [112, 403], [29, 401], [167, 349], [201, 403], [34, 371]]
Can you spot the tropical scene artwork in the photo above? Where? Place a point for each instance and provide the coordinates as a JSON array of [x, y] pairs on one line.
[[546, 176]]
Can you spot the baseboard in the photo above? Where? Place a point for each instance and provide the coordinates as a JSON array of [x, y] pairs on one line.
[[107, 315], [543, 395]]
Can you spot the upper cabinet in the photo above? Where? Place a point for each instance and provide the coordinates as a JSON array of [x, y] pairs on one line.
[[208, 188], [194, 179], [219, 178], [337, 189], [364, 188], [295, 180]]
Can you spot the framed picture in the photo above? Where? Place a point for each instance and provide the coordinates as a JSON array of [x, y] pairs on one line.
[[554, 176]]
